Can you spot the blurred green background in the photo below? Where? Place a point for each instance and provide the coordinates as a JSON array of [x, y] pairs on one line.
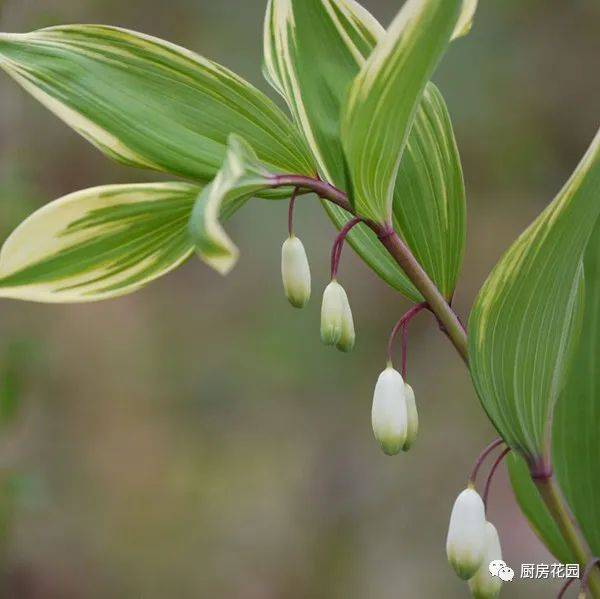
[[195, 439]]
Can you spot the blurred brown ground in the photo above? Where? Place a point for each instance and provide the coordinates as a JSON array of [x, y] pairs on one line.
[[195, 439]]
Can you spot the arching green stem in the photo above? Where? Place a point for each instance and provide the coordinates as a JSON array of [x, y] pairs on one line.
[[451, 325], [557, 506]]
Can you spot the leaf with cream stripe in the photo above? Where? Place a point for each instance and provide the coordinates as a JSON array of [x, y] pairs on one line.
[[241, 176], [149, 103], [465, 22], [383, 100], [313, 49], [98, 243], [429, 210], [522, 327], [429, 200], [575, 438]]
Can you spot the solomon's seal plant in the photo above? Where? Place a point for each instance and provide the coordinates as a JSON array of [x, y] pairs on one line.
[[370, 135]]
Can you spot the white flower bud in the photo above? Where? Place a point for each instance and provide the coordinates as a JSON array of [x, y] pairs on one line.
[[466, 542], [332, 314], [484, 585], [413, 417], [348, 337], [389, 414], [295, 272]]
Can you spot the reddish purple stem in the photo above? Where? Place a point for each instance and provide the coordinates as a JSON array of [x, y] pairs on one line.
[[482, 456], [402, 325], [488, 482], [291, 211], [338, 244], [565, 588]]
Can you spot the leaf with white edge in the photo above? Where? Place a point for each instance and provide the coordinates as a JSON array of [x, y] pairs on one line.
[[575, 438], [149, 103], [383, 100], [429, 200], [98, 243], [241, 176], [313, 49], [465, 22], [523, 324], [429, 209]]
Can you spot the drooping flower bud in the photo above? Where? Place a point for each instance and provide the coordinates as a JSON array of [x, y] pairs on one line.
[[412, 416], [295, 272], [487, 582], [466, 542], [332, 314], [389, 414], [348, 337]]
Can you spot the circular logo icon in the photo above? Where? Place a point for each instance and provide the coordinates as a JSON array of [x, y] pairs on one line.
[[495, 566], [506, 574]]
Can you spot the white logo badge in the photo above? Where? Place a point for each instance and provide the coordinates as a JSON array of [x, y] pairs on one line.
[[499, 568]]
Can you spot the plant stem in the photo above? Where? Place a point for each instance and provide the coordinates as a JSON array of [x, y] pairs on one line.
[[481, 459], [565, 588], [585, 580], [552, 497], [402, 324], [291, 212], [321, 188], [452, 326], [420, 279], [338, 245], [490, 478], [401, 253]]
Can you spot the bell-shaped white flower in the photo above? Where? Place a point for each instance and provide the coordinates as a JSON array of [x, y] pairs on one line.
[[295, 272], [413, 417], [487, 582], [389, 414], [348, 337], [332, 314], [466, 542]]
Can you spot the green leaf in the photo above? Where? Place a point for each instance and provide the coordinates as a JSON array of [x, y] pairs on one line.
[[149, 103], [576, 442], [429, 205], [241, 176], [465, 22], [535, 510], [383, 100], [523, 325], [313, 49], [429, 210], [98, 243], [575, 438], [429, 199]]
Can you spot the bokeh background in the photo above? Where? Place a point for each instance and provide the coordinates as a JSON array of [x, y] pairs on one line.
[[195, 439]]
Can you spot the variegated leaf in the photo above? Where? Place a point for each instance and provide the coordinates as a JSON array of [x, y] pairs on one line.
[[522, 326], [465, 22], [429, 202], [149, 103], [98, 243], [429, 211], [241, 176], [384, 98], [576, 422], [313, 49]]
